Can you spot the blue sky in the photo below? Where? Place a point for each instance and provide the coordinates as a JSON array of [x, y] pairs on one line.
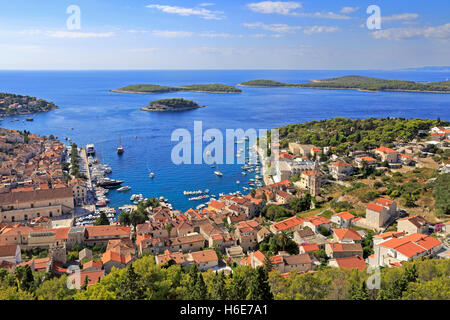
[[231, 34]]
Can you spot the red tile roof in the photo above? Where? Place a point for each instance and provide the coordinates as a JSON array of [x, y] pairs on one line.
[[318, 220], [347, 234], [351, 263], [204, 256], [288, 223], [341, 163], [93, 264], [374, 207], [310, 247], [385, 150], [345, 215], [384, 202]]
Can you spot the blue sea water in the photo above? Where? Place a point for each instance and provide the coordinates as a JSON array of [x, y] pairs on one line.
[[101, 117]]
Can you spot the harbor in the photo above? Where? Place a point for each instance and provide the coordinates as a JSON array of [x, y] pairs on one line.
[[101, 187]]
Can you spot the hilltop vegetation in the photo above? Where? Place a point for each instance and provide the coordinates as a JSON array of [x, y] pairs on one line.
[[358, 82], [145, 280], [266, 83], [175, 104], [361, 134], [442, 83], [153, 88], [374, 84]]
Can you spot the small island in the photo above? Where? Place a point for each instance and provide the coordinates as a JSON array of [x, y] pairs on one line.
[[358, 83], [265, 83], [13, 104], [153, 88], [171, 105]]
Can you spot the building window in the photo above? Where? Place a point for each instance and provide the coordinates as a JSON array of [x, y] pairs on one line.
[[12, 219], [26, 217], [51, 214], [38, 214]]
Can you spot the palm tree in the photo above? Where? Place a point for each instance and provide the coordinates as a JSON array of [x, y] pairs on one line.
[[169, 229]]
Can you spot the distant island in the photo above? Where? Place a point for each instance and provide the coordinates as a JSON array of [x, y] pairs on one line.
[[13, 104], [429, 68], [153, 88], [266, 83], [358, 83], [169, 105]]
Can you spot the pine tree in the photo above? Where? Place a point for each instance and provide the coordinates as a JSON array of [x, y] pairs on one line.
[[218, 289], [400, 285], [27, 282], [259, 288], [360, 293], [268, 264], [238, 288], [130, 286], [200, 288], [102, 220], [192, 283]]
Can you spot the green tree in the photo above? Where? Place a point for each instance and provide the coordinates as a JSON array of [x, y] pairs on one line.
[[359, 293], [27, 281], [259, 288], [130, 286], [218, 287], [102, 220], [137, 217], [55, 289], [124, 218], [200, 288], [169, 227], [400, 285]]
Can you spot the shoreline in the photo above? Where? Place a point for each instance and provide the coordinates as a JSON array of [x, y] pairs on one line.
[[27, 113], [183, 90], [168, 110], [331, 88]]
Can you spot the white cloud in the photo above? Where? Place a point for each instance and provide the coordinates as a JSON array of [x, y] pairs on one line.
[[220, 35], [274, 7], [219, 51], [279, 27], [201, 12], [323, 15], [143, 50], [288, 8], [439, 33], [77, 35], [206, 4], [172, 34], [319, 29], [347, 10], [138, 31], [400, 17]]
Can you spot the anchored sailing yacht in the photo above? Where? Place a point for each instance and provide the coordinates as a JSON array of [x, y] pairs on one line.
[[120, 149]]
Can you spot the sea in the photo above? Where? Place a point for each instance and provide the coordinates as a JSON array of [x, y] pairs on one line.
[[89, 113]]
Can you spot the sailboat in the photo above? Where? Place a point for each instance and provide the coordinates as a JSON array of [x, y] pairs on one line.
[[120, 149], [151, 175], [217, 172]]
